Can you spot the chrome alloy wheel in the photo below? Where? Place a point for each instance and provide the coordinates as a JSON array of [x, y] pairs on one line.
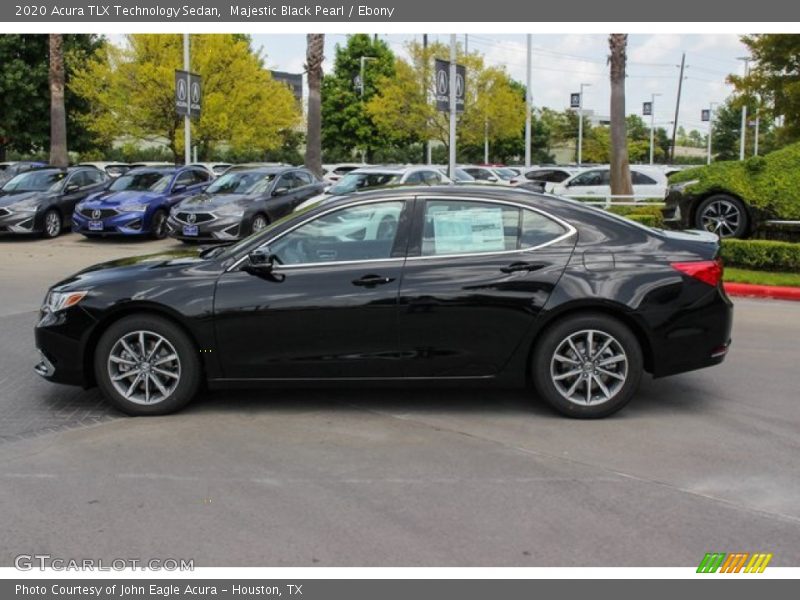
[[144, 367], [721, 217], [589, 367], [52, 224], [259, 222]]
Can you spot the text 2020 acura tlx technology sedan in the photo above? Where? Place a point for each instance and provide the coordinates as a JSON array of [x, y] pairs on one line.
[[406, 285]]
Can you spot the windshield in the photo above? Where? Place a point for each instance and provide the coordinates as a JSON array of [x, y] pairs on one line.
[[241, 182], [149, 181], [359, 181], [505, 174], [35, 181]]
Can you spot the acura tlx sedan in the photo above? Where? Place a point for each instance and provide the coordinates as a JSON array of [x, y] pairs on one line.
[[424, 285]]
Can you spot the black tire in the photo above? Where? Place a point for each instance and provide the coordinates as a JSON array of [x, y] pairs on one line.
[[189, 368], [52, 224], [258, 222], [732, 220], [158, 225], [545, 366]]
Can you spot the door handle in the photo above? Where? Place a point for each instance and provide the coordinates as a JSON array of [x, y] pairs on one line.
[[372, 280], [521, 266]]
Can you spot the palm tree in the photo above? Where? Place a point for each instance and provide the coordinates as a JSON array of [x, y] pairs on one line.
[[58, 116], [315, 45], [620, 169]]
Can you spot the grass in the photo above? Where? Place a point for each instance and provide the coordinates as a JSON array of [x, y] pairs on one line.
[[734, 275]]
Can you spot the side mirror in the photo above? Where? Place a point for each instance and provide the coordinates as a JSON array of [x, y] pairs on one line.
[[71, 187], [280, 191], [492, 178], [260, 262]]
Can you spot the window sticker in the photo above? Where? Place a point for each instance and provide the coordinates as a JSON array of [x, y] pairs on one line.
[[472, 230]]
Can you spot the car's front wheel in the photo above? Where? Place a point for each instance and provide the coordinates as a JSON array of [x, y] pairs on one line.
[[52, 224], [724, 215], [259, 223], [158, 225], [587, 366], [146, 365]]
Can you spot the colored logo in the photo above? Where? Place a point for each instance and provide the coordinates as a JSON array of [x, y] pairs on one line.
[[737, 562]]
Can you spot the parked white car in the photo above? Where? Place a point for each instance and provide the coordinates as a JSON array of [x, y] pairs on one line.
[[110, 168], [540, 177], [373, 177], [215, 168], [595, 183], [499, 175], [333, 173]]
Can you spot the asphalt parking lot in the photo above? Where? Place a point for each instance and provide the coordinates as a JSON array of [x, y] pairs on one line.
[[705, 461]]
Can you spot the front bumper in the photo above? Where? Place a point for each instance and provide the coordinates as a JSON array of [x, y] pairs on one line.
[[122, 223], [19, 221], [61, 339], [677, 211], [219, 229]]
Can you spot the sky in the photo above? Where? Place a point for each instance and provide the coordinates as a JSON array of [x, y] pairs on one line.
[[562, 62]]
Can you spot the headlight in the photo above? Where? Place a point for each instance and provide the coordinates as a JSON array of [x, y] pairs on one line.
[[682, 185], [230, 210], [29, 205], [133, 207], [57, 301]]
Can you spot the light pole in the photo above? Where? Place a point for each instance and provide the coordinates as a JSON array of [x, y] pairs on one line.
[[528, 103], [580, 123], [743, 134], [652, 124], [187, 126], [364, 59], [710, 129], [451, 171]]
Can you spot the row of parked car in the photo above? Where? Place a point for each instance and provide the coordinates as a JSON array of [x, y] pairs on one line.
[[221, 202]]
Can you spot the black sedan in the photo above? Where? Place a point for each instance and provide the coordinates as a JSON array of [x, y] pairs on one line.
[[241, 202], [43, 200], [442, 285]]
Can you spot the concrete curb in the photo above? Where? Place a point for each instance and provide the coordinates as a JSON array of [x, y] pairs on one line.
[[776, 292]]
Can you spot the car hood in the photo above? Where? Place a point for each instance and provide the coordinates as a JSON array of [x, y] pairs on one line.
[[134, 268], [109, 199], [205, 202], [14, 197]]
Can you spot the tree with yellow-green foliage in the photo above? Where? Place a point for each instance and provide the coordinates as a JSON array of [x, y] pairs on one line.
[[403, 107], [131, 92]]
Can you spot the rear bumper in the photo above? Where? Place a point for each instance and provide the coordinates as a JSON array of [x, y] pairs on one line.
[[694, 338]]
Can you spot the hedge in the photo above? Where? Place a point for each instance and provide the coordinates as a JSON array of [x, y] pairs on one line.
[[646, 215], [770, 183], [761, 255]]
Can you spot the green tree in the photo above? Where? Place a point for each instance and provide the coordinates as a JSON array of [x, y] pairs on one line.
[[131, 92], [25, 92], [728, 128], [347, 127], [774, 81], [403, 111]]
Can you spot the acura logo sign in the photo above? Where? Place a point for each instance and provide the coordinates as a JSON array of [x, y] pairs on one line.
[[96, 214], [191, 218]]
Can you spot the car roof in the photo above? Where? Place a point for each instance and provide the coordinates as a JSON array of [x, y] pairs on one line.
[[156, 169]]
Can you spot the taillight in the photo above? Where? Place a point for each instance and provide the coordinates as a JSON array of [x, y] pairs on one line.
[[707, 271]]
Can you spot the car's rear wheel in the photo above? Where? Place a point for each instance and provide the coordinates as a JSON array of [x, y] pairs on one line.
[[724, 215], [158, 225], [146, 365], [587, 366], [258, 223], [52, 224]]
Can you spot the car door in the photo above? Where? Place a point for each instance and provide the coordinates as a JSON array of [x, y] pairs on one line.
[[328, 310], [477, 275], [645, 186], [77, 186], [307, 187], [587, 184], [184, 185], [283, 196]]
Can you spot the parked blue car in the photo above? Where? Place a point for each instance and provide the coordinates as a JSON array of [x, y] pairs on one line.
[[138, 202]]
